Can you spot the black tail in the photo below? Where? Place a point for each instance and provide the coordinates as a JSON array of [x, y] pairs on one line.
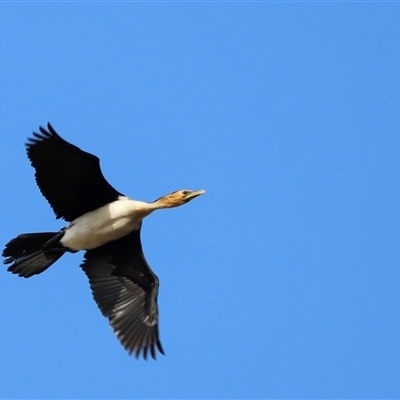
[[32, 253]]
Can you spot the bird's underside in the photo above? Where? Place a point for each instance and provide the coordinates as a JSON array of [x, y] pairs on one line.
[[105, 224]]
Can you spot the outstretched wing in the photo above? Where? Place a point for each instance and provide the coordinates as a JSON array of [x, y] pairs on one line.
[[69, 178], [125, 289]]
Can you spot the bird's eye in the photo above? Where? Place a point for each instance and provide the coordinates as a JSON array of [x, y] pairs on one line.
[[185, 192]]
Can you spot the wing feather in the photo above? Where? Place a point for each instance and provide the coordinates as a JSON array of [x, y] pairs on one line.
[[125, 289], [69, 178]]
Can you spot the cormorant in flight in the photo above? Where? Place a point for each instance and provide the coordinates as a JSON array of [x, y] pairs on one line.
[[104, 223]]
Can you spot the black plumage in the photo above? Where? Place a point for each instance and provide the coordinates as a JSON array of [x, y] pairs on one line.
[[69, 178], [125, 289]]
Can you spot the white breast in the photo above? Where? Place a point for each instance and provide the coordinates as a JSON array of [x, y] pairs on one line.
[[107, 223]]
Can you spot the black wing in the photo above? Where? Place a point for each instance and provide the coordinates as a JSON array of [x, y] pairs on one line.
[[125, 289], [69, 178]]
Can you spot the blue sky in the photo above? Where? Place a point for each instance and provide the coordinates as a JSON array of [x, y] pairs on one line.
[[283, 280]]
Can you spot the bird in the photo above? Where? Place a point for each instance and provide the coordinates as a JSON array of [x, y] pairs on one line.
[[106, 225]]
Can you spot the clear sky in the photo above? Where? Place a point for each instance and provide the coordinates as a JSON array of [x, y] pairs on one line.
[[283, 280]]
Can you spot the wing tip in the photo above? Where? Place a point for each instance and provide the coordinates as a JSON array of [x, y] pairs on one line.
[[148, 349], [42, 135]]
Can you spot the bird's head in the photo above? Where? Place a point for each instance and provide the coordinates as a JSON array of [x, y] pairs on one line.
[[178, 198]]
